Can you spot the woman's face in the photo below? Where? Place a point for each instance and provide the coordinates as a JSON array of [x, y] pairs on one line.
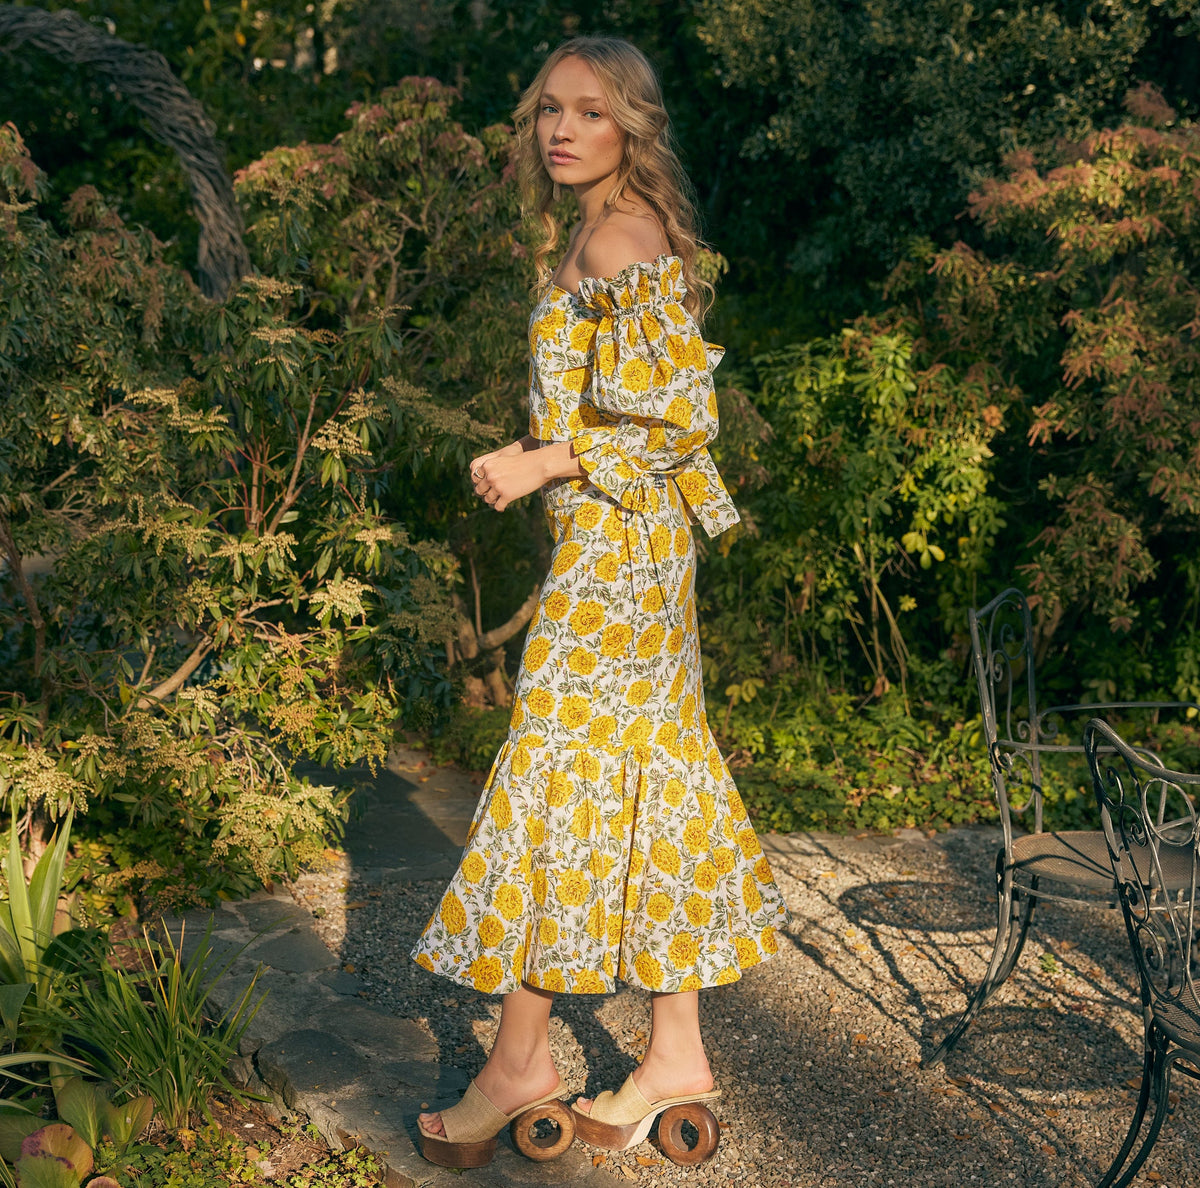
[[580, 143]]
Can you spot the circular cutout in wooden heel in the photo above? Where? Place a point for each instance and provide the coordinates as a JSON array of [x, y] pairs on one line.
[[688, 1133], [543, 1132]]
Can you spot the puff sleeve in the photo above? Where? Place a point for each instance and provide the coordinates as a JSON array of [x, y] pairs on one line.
[[650, 410]]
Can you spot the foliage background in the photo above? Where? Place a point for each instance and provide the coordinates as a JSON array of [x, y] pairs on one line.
[[961, 312]]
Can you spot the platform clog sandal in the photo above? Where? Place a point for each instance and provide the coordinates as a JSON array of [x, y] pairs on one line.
[[541, 1130], [618, 1121]]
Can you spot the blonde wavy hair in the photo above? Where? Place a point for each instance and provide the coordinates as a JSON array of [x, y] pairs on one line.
[[650, 169]]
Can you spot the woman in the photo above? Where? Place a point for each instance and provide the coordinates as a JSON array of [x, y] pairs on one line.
[[610, 841]]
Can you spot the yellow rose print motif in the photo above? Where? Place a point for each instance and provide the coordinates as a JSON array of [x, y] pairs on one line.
[[650, 641], [683, 950], [491, 932], [695, 836], [486, 973], [639, 691], [747, 951], [597, 921], [668, 738], [588, 617], [601, 729], [508, 900], [748, 843], [587, 981], [536, 653], [648, 969], [600, 864], [665, 856], [556, 605], [724, 858], [698, 910], [571, 887], [586, 766], [588, 516], [659, 906], [583, 334], [520, 760], [454, 915], [637, 733], [501, 808], [585, 821], [540, 702], [616, 639], [576, 379], [750, 895], [567, 556], [574, 711], [558, 789], [609, 842]]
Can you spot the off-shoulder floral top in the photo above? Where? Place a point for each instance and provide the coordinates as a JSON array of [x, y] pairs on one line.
[[621, 370]]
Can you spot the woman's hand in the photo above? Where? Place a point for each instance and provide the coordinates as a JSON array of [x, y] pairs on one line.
[[521, 468]]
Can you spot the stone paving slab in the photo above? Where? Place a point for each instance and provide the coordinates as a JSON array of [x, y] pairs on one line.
[[360, 1074]]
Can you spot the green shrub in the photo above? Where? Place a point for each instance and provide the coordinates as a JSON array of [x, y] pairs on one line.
[[472, 738], [200, 582], [149, 1030]]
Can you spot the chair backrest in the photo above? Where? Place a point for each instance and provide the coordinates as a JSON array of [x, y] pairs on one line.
[[1002, 657], [1153, 835]]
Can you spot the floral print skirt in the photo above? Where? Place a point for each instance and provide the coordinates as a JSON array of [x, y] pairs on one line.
[[610, 841]]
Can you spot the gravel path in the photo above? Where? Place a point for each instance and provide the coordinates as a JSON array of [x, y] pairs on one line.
[[817, 1051]]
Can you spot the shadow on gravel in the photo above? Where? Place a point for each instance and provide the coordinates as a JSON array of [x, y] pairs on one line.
[[818, 1052]]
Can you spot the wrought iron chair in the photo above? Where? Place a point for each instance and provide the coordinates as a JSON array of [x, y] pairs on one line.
[[1067, 866], [1152, 833]]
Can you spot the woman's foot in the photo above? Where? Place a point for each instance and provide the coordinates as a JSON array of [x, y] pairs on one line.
[[657, 1078], [508, 1089]]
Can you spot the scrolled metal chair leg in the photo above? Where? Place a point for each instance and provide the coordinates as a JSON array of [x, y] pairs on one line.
[[1160, 1089], [1135, 1126], [1005, 951]]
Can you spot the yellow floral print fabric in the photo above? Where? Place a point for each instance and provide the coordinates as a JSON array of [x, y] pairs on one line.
[[610, 841], [621, 370]]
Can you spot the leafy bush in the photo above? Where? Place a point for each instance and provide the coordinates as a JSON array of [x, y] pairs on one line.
[[472, 738], [202, 583], [213, 1159], [149, 1031]]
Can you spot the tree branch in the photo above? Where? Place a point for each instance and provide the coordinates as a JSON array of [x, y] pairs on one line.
[[175, 681], [505, 632]]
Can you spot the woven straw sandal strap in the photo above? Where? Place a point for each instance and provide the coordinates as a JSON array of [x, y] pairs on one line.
[[622, 1108], [474, 1119]]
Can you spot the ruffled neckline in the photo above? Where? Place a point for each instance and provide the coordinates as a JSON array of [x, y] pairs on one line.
[[644, 282]]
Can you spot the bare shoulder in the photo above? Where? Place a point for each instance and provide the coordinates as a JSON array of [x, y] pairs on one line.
[[623, 238]]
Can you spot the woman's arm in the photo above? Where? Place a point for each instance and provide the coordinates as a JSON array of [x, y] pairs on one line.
[[521, 468]]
